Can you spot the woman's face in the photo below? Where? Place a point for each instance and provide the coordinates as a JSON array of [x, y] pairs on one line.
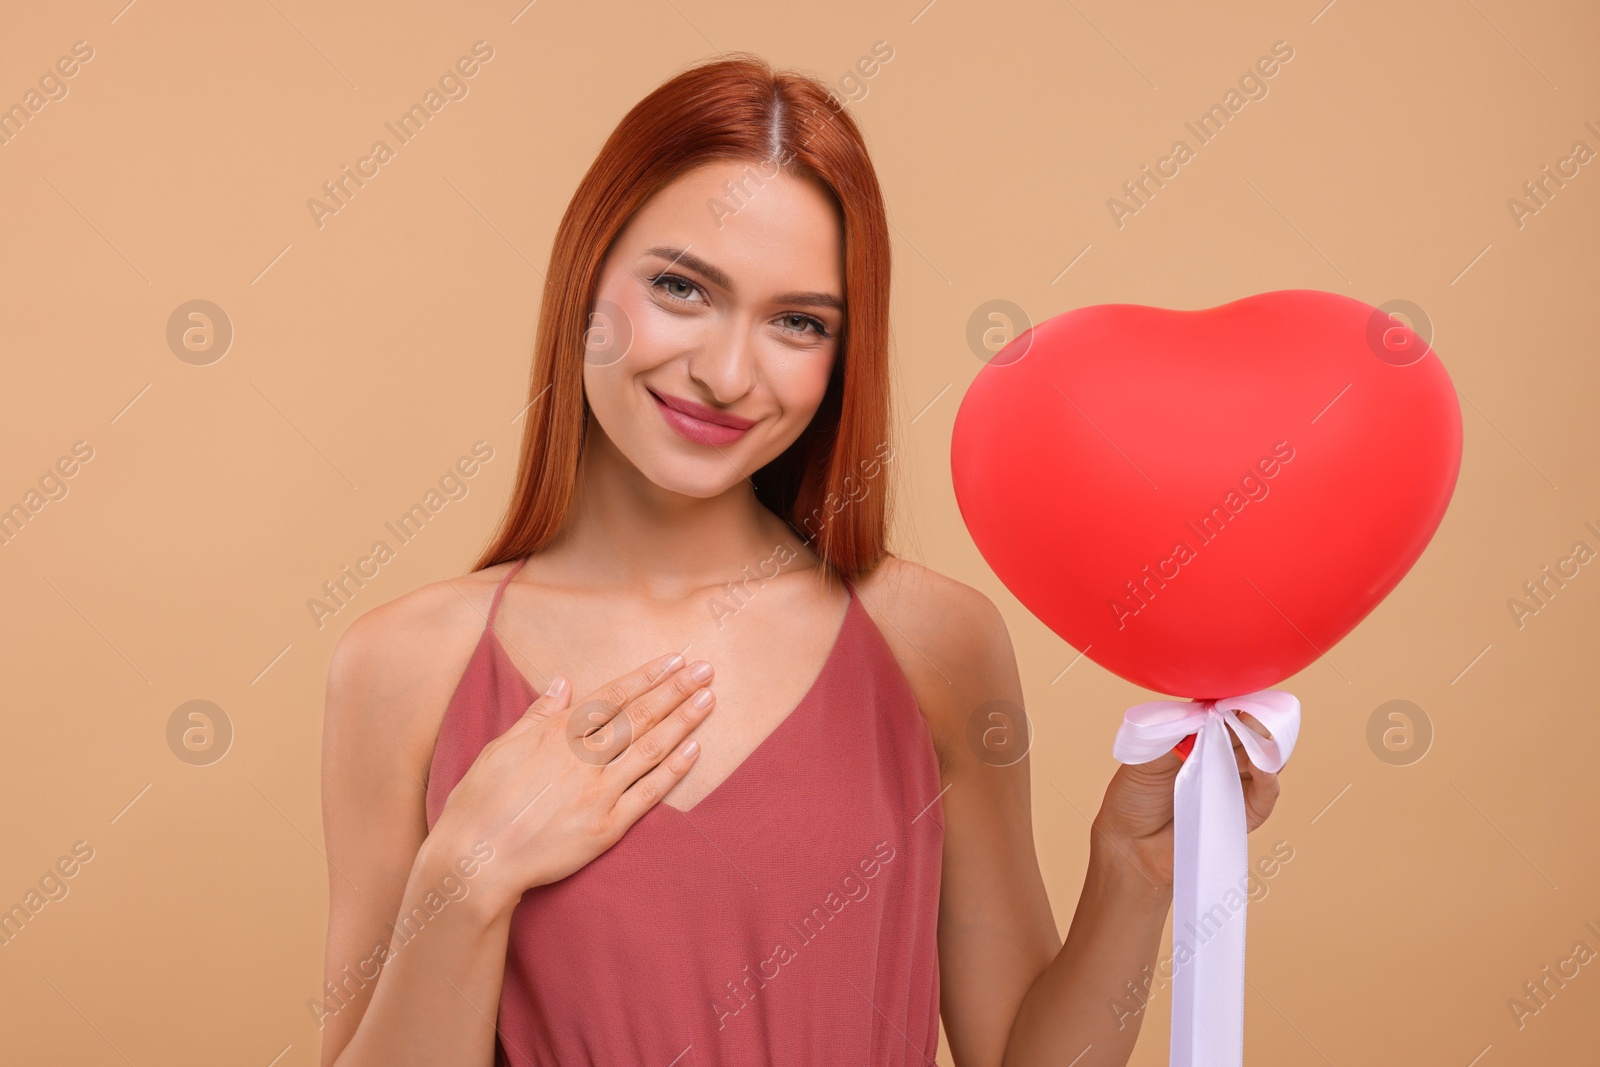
[[716, 324]]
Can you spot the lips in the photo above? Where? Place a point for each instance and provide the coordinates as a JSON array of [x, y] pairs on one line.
[[698, 423]]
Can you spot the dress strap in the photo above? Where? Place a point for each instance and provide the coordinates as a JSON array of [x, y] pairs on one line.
[[499, 591]]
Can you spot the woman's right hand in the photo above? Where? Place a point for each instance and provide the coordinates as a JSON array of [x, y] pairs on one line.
[[564, 782]]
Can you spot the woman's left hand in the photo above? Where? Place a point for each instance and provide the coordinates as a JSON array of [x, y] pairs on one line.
[[1135, 818]]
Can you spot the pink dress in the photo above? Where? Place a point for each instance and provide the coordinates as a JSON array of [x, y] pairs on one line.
[[789, 917]]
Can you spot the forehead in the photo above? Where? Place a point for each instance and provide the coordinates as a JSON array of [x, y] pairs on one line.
[[767, 231]]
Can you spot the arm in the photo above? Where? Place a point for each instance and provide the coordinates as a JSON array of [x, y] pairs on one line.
[[389, 997], [1092, 996], [1016, 995], [1080, 1006], [1012, 992], [419, 922]]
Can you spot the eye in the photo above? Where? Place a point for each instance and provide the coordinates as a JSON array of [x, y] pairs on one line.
[[677, 288], [798, 323], [666, 283]]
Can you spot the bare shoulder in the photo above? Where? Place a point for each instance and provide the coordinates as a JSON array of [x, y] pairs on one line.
[[951, 642], [905, 588], [393, 671]]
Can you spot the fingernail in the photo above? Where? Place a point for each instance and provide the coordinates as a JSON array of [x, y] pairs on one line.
[[690, 749], [675, 662], [701, 672], [558, 685]]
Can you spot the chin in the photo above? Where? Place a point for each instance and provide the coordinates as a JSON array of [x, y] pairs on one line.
[[679, 478]]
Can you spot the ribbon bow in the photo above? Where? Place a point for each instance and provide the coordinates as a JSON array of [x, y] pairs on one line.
[[1210, 868]]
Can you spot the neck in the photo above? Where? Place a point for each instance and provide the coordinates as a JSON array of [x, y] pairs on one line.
[[625, 531]]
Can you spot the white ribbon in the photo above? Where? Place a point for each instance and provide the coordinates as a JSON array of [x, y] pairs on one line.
[[1210, 869]]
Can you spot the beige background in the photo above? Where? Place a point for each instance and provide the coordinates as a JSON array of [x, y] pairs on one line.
[[370, 353]]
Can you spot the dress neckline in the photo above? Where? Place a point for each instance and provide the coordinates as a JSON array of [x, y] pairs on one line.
[[766, 744]]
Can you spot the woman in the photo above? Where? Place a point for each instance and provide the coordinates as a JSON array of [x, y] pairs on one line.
[[783, 847]]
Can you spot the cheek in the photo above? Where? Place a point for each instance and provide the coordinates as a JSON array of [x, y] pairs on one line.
[[800, 380], [815, 372], [658, 333], [626, 338], [615, 394]]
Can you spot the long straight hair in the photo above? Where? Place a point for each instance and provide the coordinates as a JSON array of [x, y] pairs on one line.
[[830, 485]]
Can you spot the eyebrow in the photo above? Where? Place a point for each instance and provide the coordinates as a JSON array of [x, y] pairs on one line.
[[720, 278]]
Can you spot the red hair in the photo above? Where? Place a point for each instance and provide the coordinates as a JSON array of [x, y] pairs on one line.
[[732, 109]]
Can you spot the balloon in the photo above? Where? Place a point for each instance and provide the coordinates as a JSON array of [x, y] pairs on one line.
[[1204, 502]]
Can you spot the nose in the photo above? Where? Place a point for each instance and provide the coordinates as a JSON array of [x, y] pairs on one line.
[[726, 363]]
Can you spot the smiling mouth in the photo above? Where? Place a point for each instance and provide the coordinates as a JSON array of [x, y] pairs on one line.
[[692, 427]]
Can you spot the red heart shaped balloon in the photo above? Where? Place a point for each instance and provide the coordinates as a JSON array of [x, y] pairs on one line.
[[1204, 502]]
